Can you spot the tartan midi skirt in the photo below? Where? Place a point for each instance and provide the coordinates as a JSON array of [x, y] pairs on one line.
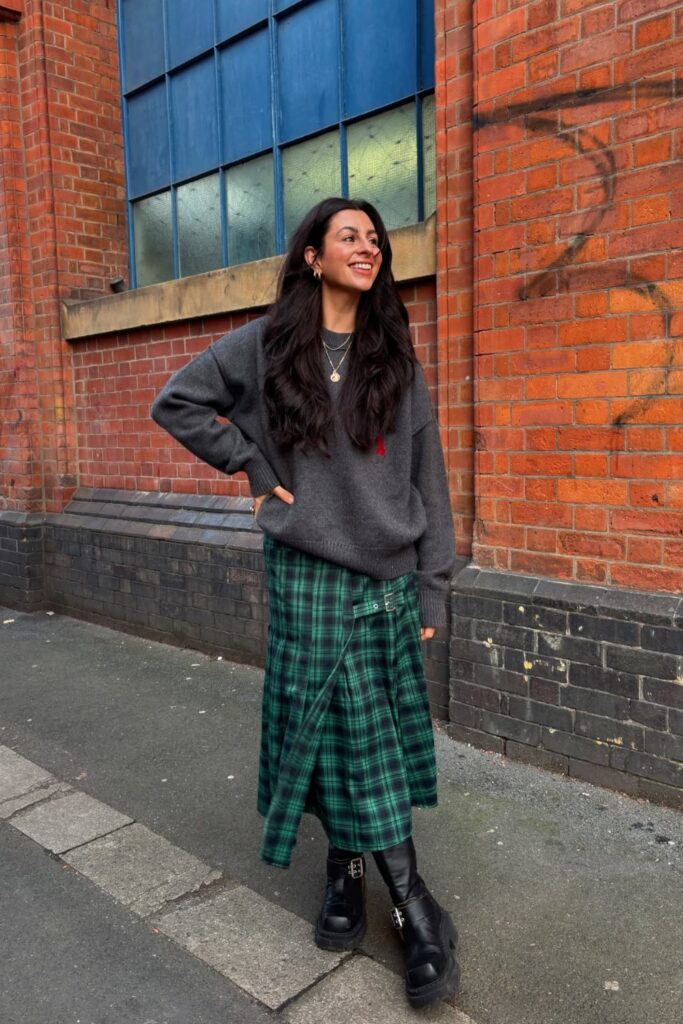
[[346, 732]]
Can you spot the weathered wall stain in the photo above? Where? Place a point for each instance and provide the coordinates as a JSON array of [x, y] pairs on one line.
[[556, 277]]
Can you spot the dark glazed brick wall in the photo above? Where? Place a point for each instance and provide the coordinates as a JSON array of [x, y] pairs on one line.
[[21, 561], [183, 570], [582, 680], [201, 596]]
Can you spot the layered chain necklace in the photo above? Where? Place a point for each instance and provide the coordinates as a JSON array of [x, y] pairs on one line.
[[335, 376]]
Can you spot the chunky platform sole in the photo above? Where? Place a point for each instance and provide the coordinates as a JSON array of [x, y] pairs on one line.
[[339, 941], [447, 984]]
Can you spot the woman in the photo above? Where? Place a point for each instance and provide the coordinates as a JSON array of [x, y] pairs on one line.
[[331, 420]]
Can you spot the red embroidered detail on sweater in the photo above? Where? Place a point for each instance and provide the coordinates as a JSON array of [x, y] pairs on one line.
[[380, 449]]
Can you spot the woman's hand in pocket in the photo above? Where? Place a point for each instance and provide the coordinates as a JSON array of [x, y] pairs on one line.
[[279, 492]]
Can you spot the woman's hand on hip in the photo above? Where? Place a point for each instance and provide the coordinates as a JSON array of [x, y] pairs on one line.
[[279, 492], [427, 632]]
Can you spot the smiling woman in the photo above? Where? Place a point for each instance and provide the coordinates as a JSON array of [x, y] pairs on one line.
[[350, 259], [329, 415]]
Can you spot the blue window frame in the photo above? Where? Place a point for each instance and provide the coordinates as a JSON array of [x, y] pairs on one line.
[[240, 114]]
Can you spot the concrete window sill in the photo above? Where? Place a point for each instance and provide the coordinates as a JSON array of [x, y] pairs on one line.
[[244, 287]]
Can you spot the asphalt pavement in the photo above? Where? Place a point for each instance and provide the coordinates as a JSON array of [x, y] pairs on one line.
[[131, 890]]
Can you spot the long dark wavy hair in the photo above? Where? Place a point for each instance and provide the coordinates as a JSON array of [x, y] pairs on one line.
[[381, 362]]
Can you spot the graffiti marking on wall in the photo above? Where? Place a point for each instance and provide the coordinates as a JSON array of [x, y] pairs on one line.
[[535, 116]]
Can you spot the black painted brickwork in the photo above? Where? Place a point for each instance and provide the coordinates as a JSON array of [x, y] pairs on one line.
[[587, 681], [203, 596], [21, 561]]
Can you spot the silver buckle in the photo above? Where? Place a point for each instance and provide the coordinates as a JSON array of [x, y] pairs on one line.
[[356, 868], [398, 918], [390, 602]]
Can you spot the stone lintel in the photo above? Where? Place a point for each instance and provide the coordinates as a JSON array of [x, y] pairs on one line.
[[248, 286]]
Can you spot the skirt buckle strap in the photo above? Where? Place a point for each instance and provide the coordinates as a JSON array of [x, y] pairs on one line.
[[387, 602]]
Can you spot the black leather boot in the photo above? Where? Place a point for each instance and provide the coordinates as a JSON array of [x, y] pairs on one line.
[[341, 923], [426, 928]]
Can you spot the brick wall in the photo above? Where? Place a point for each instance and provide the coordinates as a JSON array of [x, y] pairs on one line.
[[62, 218], [20, 481], [578, 292], [578, 135], [74, 145], [579, 679], [454, 256], [117, 376]]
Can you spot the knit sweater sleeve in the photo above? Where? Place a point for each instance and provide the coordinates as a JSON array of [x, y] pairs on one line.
[[188, 406], [436, 546]]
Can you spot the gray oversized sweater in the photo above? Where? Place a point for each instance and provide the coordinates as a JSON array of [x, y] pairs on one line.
[[384, 512]]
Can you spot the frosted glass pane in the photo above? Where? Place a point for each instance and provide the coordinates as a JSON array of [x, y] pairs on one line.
[[383, 164], [199, 226], [153, 241], [428, 155], [251, 210], [311, 172]]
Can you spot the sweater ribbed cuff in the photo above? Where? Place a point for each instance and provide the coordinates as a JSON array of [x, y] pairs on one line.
[[432, 607], [262, 479]]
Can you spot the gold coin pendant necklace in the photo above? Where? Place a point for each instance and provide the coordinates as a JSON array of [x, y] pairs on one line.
[[335, 376]]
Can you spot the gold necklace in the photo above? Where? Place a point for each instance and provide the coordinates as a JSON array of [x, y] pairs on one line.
[[335, 376], [339, 347]]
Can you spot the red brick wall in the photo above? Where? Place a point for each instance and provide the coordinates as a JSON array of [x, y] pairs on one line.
[[454, 255], [72, 104], [62, 215], [579, 290], [20, 480], [117, 377]]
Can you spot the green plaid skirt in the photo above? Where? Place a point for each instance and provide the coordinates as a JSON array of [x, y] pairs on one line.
[[346, 730]]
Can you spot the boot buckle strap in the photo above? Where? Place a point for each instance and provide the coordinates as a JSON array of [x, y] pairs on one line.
[[397, 918], [356, 868]]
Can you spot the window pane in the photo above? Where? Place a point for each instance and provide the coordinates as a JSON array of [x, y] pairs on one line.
[[148, 159], [199, 226], [428, 156], [190, 28], [383, 164], [195, 119], [380, 53], [143, 41], [427, 39], [153, 245], [308, 69], [251, 210], [246, 99], [311, 172], [234, 16]]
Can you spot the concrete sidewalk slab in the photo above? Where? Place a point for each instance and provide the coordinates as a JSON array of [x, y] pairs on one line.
[[363, 992], [264, 949], [140, 869], [41, 791], [19, 780], [69, 821]]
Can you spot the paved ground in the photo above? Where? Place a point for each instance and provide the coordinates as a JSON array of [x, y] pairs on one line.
[[131, 892]]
